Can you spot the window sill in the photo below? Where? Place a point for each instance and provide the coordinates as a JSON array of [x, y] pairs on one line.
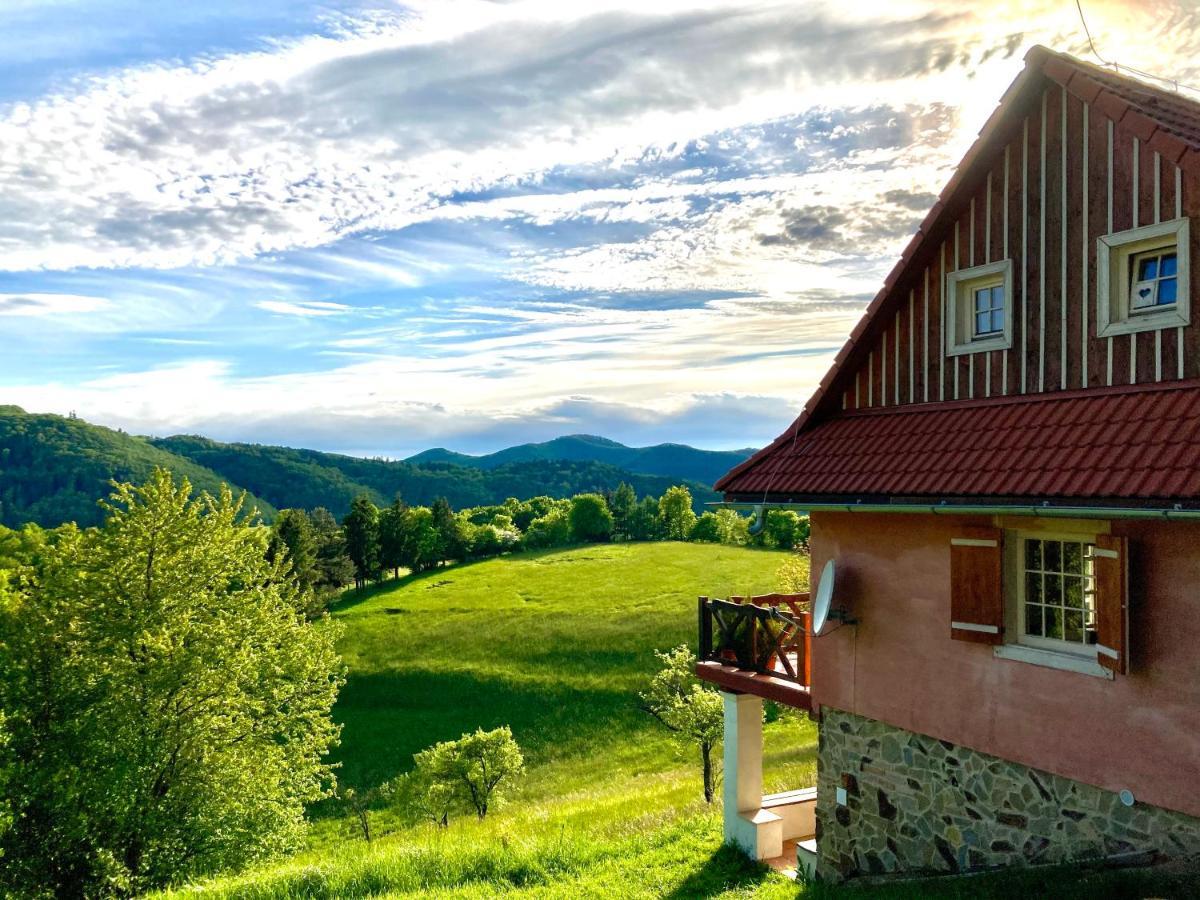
[[1145, 322], [987, 345], [1068, 662]]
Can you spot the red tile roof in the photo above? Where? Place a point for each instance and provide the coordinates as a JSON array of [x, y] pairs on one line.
[[1138, 444], [1169, 121]]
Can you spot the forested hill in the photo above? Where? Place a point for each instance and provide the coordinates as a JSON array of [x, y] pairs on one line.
[[673, 460], [308, 478], [54, 469]]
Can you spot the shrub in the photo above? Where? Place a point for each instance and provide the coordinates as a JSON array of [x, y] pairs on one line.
[[551, 530], [590, 519], [707, 529], [675, 515]]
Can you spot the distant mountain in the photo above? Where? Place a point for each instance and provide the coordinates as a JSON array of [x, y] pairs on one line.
[[54, 469], [307, 478], [672, 460]]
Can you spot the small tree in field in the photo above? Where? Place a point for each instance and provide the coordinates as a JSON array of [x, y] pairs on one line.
[[693, 711], [475, 770]]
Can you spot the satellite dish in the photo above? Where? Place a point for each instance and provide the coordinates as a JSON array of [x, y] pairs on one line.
[[823, 599]]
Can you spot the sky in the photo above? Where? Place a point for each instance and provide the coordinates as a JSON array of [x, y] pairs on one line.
[[374, 229]]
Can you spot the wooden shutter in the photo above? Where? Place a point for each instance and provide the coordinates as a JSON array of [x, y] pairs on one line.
[[1111, 557], [976, 589]]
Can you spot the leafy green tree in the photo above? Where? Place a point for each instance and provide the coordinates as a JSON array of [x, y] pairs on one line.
[[361, 530], [420, 548], [622, 504], [590, 519], [643, 521], [334, 567], [732, 528], [476, 769], [692, 711], [551, 530], [450, 543], [391, 536], [169, 708], [783, 530], [793, 574], [707, 529], [675, 515]]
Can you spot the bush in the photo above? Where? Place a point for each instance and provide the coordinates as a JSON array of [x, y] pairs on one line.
[[707, 529], [676, 517], [551, 530], [590, 519]]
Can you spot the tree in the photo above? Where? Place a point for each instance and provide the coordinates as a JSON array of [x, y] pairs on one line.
[[732, 528], [450, 542], [292, 537], [334, 567], [643, 521], [675, 514], [622, 504], [168, 707], [793, 574], [707, 529], [476, 769], [692, 711], [391, 536], [783, 529], [361, 530], [420, 546], [590, 519]]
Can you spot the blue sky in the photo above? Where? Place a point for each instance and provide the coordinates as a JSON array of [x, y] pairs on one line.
[[376, 228]]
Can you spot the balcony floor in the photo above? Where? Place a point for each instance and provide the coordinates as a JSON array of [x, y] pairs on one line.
[[744, 681]]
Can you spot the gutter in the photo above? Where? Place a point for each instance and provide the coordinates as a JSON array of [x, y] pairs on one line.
[[944, 508]]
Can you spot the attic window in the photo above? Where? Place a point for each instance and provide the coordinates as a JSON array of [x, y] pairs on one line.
[[1142, 282], [977, 314]]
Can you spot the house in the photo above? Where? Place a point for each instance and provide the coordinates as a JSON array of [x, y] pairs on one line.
[[1004, 464]]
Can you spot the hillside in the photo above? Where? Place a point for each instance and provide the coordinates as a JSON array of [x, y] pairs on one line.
[[556, 645], [673, 460], [306, 478], [54, 469]]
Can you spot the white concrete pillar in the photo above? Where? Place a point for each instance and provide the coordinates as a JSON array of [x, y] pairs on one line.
[[757, 831]]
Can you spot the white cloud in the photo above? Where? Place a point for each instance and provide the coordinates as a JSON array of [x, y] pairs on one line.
[[39, 304], [305, 308]]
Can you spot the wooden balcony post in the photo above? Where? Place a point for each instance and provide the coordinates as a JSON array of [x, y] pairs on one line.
[[705, 619]]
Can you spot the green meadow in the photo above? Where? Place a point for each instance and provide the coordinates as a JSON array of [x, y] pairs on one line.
[[557, 645]]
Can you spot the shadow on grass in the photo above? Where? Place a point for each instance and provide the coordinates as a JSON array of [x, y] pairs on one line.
[[727, 869]]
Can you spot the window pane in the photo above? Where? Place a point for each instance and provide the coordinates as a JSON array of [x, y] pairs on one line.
[[1143, 295], [1033, 587], [998, 320], [1073, 558], [1148, 268], [1054, 622], [1033, 619], [1166, 291], [981, 300], [1053, 551], [1168, 265], [1033, 554], [1053, 590], [982, 323], [998, 297], [1073, 591], [1073, 625]]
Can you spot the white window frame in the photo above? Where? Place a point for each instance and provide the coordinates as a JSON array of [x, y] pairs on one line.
[[1114, 279], [1050, 652], [960, 308]]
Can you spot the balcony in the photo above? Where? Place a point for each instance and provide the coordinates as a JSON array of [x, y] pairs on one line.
[[757, 645]]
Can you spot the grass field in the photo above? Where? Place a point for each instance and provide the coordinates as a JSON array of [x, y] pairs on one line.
[[556, 645]]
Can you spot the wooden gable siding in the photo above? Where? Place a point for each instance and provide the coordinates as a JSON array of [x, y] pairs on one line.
[[1066, 177]]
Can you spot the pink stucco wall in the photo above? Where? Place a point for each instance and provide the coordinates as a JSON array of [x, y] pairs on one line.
[[899, 665]]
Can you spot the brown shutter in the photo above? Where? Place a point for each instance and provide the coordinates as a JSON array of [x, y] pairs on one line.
[[1112, 602], [976, 594]]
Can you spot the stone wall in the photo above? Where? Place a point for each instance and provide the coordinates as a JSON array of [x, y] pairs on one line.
[[917, 804]]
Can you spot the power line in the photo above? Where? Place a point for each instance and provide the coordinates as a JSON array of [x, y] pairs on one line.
[[1088, 32], [1117, 67]]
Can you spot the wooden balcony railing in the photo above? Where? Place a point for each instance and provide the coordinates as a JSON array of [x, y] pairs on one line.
[[768, 634]]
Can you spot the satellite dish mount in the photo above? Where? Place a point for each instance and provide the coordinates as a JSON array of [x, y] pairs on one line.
[[823, 611]]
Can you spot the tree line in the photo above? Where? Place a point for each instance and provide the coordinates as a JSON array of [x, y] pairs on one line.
[[370, 543]]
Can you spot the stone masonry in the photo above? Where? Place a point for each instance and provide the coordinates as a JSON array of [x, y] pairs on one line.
[[917, 804]]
